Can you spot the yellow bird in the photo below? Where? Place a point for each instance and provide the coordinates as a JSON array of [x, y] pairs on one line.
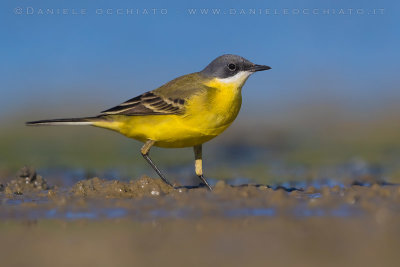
[[185, 112]]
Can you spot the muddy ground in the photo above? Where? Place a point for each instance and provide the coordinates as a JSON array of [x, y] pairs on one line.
[[142, 222]]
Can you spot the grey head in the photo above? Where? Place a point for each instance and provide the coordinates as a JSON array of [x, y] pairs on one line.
[[228, 65]]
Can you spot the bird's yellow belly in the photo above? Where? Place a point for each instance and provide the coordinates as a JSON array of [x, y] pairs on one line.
[[167, 130], [202, 121]]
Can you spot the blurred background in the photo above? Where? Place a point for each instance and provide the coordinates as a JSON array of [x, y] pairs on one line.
[[328, 108]]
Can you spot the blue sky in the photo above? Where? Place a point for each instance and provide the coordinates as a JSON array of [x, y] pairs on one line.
[[85, 63]]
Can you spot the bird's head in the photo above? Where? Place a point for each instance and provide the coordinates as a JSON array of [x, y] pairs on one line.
[[231, 69]]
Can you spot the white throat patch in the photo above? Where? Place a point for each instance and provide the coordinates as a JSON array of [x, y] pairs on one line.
[[239, 78]]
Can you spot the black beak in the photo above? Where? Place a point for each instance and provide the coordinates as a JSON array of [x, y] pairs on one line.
[[259, 68]]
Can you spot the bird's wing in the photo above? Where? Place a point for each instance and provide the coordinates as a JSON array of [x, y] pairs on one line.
[[167, 99], [147, 104]]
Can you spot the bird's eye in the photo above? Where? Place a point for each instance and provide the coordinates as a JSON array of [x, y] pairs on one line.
[[232, 67]]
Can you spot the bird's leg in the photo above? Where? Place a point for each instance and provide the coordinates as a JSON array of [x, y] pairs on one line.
[[199, 164], [145, 153]]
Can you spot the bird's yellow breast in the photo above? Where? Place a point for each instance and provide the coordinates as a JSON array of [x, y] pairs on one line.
[[220, 106], [207, 114]]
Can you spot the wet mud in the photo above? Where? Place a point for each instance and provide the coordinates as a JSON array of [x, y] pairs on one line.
[[144, 222], [26, 181]]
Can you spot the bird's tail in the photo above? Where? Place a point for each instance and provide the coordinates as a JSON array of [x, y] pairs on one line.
[[71, 121]]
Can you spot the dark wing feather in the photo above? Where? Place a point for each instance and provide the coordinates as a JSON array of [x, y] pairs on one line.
[[148, 104], [167, 99]]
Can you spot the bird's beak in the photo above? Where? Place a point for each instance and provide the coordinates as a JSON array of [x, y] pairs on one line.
[[259, 68]]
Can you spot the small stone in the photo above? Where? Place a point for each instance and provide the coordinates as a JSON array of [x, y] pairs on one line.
[[155, 192], [220, 185], [264, 188]]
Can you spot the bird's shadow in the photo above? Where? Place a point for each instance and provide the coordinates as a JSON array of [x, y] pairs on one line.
[[279, 187]]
